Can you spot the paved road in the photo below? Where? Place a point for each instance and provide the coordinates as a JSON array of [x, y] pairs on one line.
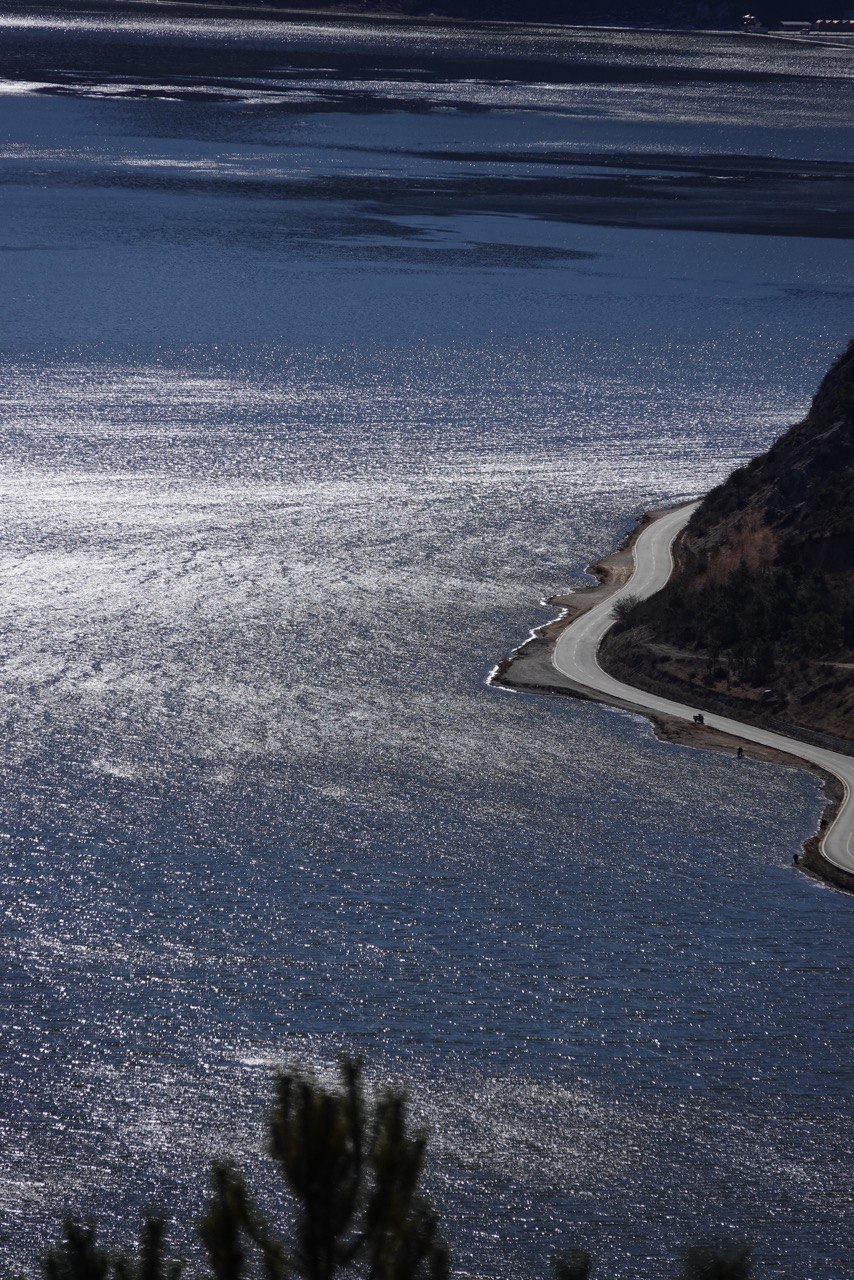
[[575, 656]]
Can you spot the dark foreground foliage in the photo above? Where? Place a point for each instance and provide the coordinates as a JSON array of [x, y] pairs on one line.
[[352, 1169]]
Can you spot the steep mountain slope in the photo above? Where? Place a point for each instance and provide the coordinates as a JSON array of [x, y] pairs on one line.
[[759, 615]]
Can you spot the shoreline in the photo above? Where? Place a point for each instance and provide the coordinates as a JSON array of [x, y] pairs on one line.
[[363, 13], [529, 669]]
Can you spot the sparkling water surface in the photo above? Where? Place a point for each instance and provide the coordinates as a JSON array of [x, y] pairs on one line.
[[295, 443]]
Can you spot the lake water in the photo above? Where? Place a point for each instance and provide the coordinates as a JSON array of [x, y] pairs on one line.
[[329, 351]]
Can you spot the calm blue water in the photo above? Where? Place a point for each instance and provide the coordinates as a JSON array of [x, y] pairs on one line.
[[326, 357]]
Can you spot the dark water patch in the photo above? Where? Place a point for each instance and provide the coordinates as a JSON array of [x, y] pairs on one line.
[[473, 255], [691, 166], [789, 205]]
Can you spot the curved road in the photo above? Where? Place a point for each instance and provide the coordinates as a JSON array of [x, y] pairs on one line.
[[575, 656]]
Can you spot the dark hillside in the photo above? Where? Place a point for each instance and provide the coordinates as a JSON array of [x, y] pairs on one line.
[[802, 485], [670, 13], [761, 609]]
